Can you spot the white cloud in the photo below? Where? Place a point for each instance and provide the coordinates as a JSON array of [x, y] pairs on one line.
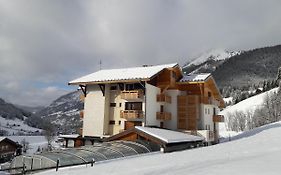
[[51, 42]]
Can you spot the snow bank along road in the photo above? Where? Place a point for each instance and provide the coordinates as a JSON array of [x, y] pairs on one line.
[[255, 152]]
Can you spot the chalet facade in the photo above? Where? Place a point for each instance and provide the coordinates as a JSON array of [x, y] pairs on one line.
[[8, 149], [161, 96]]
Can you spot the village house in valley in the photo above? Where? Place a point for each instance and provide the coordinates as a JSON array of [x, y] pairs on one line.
[[117, 100], [8, 149]]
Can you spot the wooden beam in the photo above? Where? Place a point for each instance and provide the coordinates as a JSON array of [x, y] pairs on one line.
[[84, 89], [102, 88], [121, 86]]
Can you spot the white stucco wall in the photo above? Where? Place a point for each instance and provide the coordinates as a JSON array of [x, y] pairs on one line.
[[151, 105], [93, 122], [106, 110], [172, 108], [207, 118], [115, 97]]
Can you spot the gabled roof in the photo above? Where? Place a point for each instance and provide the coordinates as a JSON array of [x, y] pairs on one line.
[[169, 136], [163, 136], [135, 73], [2, 138], [195, 77], [10, 141]]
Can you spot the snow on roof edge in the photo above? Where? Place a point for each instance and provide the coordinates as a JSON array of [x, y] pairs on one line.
[[175, 136], [121, 74], [195, 77]]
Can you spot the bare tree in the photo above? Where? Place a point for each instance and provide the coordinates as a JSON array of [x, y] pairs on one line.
[[25, 145], [49, 133]]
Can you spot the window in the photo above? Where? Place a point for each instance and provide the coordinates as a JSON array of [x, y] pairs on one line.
[[120, 104], [205, 110], [174, 75], [161, 108], [113, 88], [112, 122], [134, 86], [208, 111], [112, 104], [119, 122], [133, 106]]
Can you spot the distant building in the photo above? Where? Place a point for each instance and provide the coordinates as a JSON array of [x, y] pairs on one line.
[[8, 149], [160, 96]]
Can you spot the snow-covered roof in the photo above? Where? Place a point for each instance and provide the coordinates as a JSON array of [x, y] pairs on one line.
[[169, 136], [135, 73], [2, 138], [195, 77], [73, 136]]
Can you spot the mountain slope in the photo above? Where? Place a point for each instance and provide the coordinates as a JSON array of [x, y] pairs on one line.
[[247, 107], [10, 111], [238, 69], [250, 67], [246, 155], [30, 109], [15, 121], [249, 104], [64, 112], [208, 62]]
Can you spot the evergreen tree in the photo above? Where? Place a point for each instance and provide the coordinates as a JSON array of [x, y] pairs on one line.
[[278, 78]]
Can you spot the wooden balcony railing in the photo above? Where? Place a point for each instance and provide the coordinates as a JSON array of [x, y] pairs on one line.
[[132, 95], [218, 118], [163, 116], [131, 114], [163, 98], [81, 113], [210, 101]]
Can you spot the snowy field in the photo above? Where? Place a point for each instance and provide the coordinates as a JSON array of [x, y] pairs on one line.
[[16, 126], [34, 142], [250, 104], [254, 152]]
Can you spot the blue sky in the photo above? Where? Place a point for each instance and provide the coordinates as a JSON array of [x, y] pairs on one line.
[[44, 44]]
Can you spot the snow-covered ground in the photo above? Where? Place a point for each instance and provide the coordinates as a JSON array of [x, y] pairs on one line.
[[255, 152], [250, 104], [228, 99], [34, 142], [16, 126]]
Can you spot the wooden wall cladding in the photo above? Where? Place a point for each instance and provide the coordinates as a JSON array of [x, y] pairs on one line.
[[188, 112]]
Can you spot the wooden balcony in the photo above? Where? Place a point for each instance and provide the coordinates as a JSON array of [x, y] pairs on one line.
[[163, 116], [163, 98], [218, 118], [210, 101], [81, 113], [132, 95], [131, 114]]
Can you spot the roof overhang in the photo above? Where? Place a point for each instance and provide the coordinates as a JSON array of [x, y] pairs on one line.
[[109, 82], [146, 76]]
